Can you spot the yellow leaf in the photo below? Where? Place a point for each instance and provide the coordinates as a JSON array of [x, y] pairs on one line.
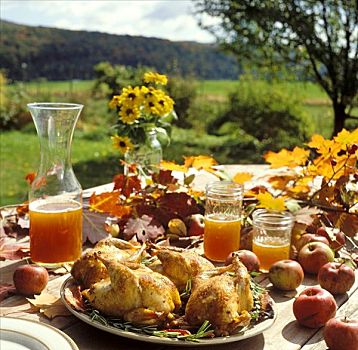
[[286, 158], [347, 138], [43, 300], [241, 178], [109, 202], [167, 165], [280, 182], [200, 162], [267, 201]]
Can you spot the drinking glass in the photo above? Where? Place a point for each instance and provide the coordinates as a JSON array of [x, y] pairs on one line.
[[55, 197], [222, 219], [272, 236]]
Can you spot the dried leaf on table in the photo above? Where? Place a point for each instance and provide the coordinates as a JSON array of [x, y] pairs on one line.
[[109, 202], [179, 203], [200, 162], [164, 177], [6, 290], [241, 178], [127, 185], [144, 228], [307, 215], [267, 201], [286, 158], [93, 226], [167, 165], [12, 250], [49, 305], [347, 223]]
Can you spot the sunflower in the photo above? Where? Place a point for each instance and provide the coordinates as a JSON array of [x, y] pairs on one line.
[[122, 143], [130, 95], [114, 102], [129, 113], [155, 78]]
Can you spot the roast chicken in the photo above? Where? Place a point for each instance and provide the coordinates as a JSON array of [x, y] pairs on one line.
[[134, 293], [223, 297], [179, 265], [90, 268]]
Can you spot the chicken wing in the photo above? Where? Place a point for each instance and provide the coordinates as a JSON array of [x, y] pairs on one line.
[[89, 268], [179, 265], [223, 297], [135, 293]]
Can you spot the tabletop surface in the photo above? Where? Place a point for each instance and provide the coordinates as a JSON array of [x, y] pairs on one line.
[[285, 333]]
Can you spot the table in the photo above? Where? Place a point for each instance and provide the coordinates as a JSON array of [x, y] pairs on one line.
[[284, 334]]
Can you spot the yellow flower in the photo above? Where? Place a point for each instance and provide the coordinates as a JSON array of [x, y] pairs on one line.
[[130, 95], [156, 78], [129, 113], [114, 102], [122, 143]]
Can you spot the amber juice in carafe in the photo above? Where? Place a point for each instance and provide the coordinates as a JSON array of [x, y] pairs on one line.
[[55, 232]]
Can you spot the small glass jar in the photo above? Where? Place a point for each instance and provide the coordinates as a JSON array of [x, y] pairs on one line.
[[272, 236], [222, 219]]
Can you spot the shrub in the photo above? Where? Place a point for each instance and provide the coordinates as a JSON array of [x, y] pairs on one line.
[[260, 119]]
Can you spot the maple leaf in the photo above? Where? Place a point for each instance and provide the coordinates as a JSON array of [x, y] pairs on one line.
[[267, 201], [347, 223], [12, 250], [180, 204], [307, 215], [49, 305], [109, 202], [280, 182], [241, 178], [30, 177], [127, 185], [200, 162], [6, 289], [144, 228], [93, 228], [345, 137], [167, 165], [285, 158], [164, 177]]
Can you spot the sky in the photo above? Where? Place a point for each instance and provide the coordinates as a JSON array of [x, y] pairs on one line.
[[166, 19]]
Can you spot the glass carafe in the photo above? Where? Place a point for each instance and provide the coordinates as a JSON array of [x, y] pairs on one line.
[[55, 198]]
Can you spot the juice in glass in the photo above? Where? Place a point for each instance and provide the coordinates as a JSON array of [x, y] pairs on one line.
[[221, 236], [270, 250], [55, 232]]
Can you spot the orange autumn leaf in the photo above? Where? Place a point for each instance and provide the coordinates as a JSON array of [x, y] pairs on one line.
[[108, 202], [30, 177], [200, 162], [167, 165], [280, 182], [241, 178], [267, 201], [286, 158]]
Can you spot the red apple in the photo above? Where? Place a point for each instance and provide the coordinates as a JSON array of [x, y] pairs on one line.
[[336, 237], [30, 279], [341, 334], [335, 277], [286, 274], [314, 307], [196, 225], [247, 257], [314, 255], [310, 237]]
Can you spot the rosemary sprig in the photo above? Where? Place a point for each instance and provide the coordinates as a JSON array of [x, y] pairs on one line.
[[203, 332], [187, 291]]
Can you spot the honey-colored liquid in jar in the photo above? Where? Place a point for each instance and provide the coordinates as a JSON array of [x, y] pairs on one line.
[[221, 237], [269, 251], [55, 232]]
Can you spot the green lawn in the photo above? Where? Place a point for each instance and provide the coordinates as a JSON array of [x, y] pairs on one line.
[[95, 163]]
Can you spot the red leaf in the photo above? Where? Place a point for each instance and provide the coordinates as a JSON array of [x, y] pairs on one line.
[[74, 297], [164, 178], [30, 177], [93, 226], [6, 289], [180, 204], [144, 227], [12, 250], [127, 184]]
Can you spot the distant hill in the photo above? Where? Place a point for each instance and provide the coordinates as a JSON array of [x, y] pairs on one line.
[[56, 54]]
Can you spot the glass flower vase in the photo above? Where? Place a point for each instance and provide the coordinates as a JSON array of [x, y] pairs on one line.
[[55, 197], [145, 156]]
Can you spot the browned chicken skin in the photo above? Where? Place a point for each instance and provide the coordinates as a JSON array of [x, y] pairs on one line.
[[89, 268], [135, 293], [179, 265], [223, 297]]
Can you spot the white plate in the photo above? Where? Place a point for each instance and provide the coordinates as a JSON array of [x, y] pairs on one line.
[[255, 330], [22, 334]]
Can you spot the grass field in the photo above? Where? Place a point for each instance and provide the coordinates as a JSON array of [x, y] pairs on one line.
[[94, 159]]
